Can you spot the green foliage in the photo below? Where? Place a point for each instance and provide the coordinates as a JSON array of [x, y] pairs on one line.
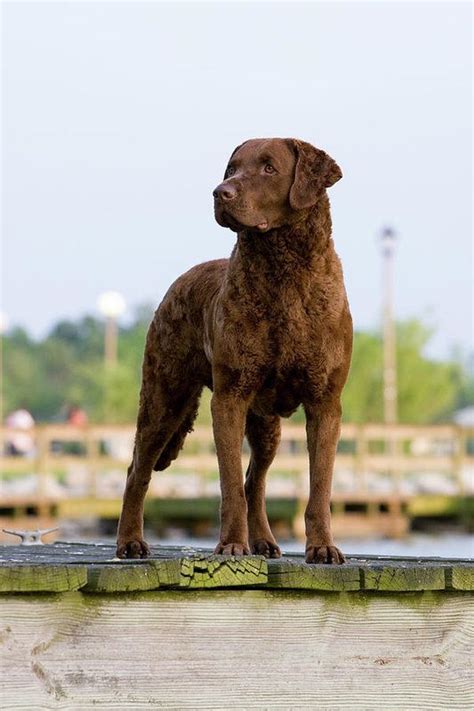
[[428, 390], [464, 378], [67, 368], [362, 396]]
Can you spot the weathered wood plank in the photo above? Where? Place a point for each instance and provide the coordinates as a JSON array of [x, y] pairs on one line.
[[297, 575], [462, 577], [196, 568], [237, 649], [40, 578], [123, 578], [403, 578], [218, 571], [133, 576]]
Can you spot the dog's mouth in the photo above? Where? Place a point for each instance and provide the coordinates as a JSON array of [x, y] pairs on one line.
[[227, 220]]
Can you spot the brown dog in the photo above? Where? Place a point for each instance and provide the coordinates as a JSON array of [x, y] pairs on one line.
[[267, 330]]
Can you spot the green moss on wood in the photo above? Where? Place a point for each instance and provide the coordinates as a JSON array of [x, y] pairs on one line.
[[401, 579], [62, 567], [122, 578], [300, 576], [169, 571], [218, 571], [462, 577], [42, 578], [420, 599], [133, 576]]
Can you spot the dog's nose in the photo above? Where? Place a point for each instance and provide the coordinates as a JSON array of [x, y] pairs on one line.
[[225, 192]]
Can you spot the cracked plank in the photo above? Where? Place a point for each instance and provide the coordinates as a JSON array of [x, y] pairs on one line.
[[218, 571]]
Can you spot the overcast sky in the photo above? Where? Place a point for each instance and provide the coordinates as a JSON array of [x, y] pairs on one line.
[[118, 120]]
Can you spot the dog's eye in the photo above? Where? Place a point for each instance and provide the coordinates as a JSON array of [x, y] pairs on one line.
[[230, 171], [269, 168]]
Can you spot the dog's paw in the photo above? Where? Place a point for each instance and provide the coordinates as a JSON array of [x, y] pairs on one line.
[[267, 548], [324, 554], [136, 548], [232, 549]]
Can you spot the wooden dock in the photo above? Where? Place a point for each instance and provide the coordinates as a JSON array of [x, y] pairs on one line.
[[189, 630]]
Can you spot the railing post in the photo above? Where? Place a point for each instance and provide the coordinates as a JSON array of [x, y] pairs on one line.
[[92, 457], [360, 464], [459, 454], [42, 452], [393, 448]]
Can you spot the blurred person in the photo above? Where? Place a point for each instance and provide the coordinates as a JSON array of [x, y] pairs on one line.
[[76, 416], [20, 443]]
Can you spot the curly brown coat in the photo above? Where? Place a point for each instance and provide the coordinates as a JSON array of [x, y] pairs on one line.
[[266, 330]]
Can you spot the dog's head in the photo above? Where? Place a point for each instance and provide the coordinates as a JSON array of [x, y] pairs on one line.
[[269, 180]]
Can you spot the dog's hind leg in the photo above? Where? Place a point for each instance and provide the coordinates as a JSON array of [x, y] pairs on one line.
[[168, 404], [263, 436], [157, 425]]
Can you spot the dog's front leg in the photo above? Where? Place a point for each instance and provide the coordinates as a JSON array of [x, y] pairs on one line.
[[323, 424], [228, 419]]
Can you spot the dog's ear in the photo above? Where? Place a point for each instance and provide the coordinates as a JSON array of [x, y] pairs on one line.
[[315, 170]]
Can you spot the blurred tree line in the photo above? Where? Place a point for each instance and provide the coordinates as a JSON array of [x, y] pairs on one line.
[[67, 368]]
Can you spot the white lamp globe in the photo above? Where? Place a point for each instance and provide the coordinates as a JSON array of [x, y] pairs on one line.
[[111, 304]]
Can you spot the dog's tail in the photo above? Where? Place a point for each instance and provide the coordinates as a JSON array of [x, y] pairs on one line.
[[175, 443]]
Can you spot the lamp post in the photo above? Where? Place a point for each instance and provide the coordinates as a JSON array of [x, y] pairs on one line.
[[388, 238], [111, 305]]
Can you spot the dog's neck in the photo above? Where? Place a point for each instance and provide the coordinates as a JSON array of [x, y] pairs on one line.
[[287, 253]]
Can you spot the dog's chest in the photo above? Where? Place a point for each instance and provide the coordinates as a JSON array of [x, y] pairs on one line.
[[281, 392], [302, 351], [292, 377], [298, 338]]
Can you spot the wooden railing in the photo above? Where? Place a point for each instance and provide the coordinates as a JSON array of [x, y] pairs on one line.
[[91, 461]]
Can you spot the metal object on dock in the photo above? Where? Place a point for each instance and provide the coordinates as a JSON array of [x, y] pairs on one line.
[[31, 538]]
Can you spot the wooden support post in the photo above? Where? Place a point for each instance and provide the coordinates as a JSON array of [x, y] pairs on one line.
[[360, 463], [42, 452], [459, 455], [373, 509], [393, 451], [92, 459], [338, 508]]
